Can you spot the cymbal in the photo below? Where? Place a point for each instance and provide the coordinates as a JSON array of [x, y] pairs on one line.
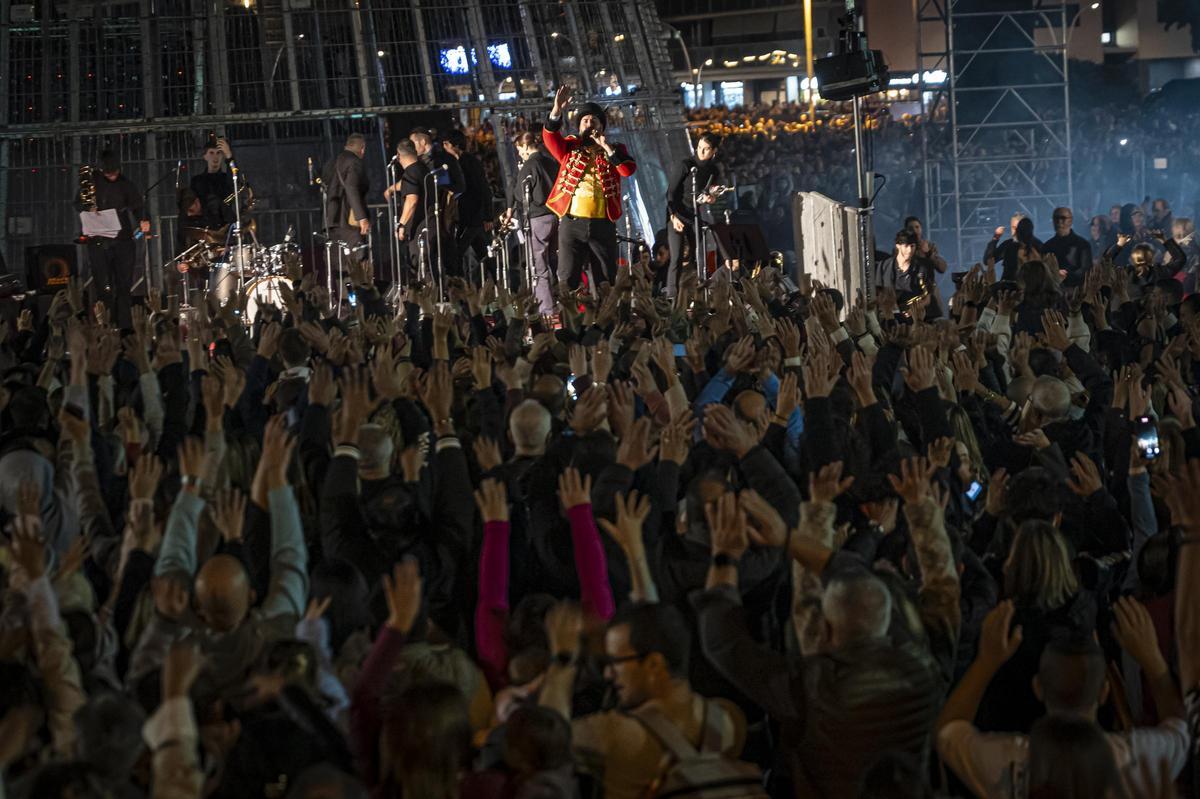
[[192, 235]]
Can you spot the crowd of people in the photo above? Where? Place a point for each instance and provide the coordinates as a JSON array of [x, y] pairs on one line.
[[755, 539]]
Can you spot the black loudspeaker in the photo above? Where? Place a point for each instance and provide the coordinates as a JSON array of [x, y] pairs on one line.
[[49, 266]]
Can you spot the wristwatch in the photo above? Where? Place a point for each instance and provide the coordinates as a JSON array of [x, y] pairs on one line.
[[723, 559]]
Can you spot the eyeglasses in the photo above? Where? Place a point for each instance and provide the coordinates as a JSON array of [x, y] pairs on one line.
[[608, 662]]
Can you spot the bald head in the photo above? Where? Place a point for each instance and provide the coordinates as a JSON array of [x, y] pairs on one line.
[[222, 592], [529, 427], [751, 407]]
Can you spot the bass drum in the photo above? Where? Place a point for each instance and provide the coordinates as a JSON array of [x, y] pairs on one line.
[[263, 291]]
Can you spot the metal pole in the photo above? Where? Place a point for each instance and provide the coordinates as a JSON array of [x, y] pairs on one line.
[[864, 204], [237, 216], [437, 236], [808, 61], [698, 253], [531, 276]]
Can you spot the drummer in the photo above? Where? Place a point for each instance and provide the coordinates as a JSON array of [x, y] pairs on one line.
[[215, 185], [192, 229]]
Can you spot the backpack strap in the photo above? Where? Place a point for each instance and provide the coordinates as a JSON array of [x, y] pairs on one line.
[[667, 734]]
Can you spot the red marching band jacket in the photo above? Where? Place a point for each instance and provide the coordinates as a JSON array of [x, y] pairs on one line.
[[573, 160]]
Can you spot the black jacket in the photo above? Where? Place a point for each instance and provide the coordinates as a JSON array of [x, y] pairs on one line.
[[539, 170], [475, 204], [120, 194], [1074, 254], [346, 185], [679, 190]]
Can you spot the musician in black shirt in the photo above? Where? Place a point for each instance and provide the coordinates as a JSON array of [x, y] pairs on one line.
[[679, 200], [111, 260], [474, 206], [215, 185], [412, 188], [534, 180]]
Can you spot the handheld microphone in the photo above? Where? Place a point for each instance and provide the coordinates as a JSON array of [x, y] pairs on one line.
[[442, 168], [310, 172]]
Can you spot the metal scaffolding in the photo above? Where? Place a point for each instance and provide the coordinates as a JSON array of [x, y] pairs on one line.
[[996, 139], [285, 80]]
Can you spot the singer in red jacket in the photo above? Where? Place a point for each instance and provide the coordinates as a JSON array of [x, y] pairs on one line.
[[586, 195]]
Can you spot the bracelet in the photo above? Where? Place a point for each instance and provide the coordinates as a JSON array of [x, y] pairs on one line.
[[448, 422], [565, 659], [186, 480], [722, 560]]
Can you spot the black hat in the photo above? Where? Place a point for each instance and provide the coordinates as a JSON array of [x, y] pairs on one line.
[[594, 110]]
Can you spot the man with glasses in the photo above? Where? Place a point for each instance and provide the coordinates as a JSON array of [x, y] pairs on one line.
[[1073, 252], [646, 660]]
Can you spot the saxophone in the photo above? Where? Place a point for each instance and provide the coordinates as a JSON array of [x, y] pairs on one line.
[[87, 188]]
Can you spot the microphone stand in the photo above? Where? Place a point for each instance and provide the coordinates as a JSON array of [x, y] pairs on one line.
[[394, 219], [628, 234], [531, 275], [437, 234], [146, 238], [698, 250], [422, 255], [237, 216], [328, 238]]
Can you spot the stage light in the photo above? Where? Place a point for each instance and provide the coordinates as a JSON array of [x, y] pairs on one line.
[[1123, 142], [1095, 6], [380, 53]]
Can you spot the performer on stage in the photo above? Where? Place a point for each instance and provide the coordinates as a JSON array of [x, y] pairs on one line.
[[535, 179], [411, 188], [474, 206], [215, 185], [111, 257], [586, 195], [345, 179], [680, 205]]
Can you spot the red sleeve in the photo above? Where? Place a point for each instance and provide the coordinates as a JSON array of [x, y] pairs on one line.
[[556, 143], [366, 721], [491, 611], [627, 166], [590, 564]]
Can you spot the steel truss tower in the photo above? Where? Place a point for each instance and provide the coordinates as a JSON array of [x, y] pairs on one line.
[[997, 138], [289, 79]]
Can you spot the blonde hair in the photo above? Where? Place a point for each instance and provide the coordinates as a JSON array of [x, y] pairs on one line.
[[1038, 572]]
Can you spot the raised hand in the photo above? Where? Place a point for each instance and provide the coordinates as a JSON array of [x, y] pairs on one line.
[[403, 593], [277, 448], [913, 482], [766, 526], [229, 514], [492, 500], [920, 373], [631, 513], [999, 640], [727, 526], [726, 432], [487, 453], [634, 451], [573, 491], [827, 484], [144, 477]]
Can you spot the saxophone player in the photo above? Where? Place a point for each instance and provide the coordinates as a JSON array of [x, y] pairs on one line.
[[910, 273], [111, 253]]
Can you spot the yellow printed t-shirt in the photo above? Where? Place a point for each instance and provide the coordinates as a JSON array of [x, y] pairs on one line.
[[588, 200]]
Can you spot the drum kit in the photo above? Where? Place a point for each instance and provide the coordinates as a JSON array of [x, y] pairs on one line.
[[212, 260]]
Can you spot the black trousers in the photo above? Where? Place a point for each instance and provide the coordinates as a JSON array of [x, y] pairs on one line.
[[676, 241], [111, 262], [584, 242]]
